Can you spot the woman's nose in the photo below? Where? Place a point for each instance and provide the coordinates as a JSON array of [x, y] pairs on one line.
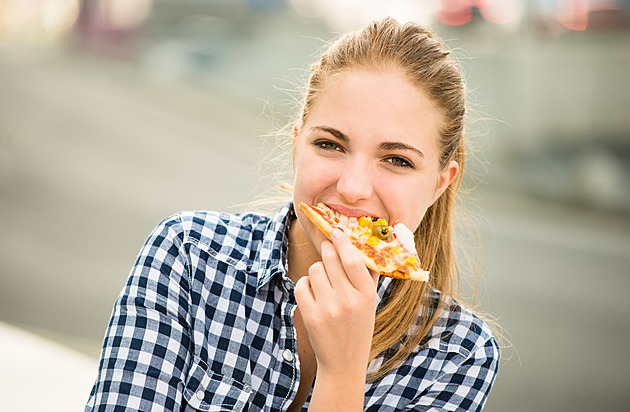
[[354, 182]]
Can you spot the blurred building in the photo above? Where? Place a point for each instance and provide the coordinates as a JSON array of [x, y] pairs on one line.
[[548, 76]]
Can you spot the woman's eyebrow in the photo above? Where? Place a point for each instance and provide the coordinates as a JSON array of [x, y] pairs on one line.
[[400, 146], [338, 134], [384, 146]]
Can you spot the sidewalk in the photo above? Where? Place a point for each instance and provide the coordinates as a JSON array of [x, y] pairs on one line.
[[38, 374]]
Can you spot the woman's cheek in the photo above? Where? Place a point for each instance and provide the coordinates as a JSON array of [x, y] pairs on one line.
[[318, 175], [405, 199]]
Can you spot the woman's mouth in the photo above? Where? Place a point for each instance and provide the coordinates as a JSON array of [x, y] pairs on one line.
[[350, 212]]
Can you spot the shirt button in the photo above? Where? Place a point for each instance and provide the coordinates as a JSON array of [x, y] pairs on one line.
[[200, 395], [287, 355]]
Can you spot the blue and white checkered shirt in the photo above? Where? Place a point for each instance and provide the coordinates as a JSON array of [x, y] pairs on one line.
[[205, 323]]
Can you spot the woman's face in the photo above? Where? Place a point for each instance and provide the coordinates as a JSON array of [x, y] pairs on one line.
[[369, 146]]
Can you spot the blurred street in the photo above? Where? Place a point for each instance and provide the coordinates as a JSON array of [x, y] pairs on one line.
[[89, 164], [96, 150]]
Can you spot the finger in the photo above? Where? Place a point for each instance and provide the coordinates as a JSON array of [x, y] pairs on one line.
[[352, 262], [303, 293], [334, 268], [318, 278]]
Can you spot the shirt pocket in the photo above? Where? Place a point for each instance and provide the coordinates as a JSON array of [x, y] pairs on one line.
[[207, 390]]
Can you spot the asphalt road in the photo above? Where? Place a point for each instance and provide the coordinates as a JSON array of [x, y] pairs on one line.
[[95, 152]]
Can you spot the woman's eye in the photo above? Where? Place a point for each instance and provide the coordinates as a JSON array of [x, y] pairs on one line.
[[399, 161], [328, 145]]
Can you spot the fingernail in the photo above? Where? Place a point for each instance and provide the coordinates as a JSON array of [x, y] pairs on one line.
[[336, 233]]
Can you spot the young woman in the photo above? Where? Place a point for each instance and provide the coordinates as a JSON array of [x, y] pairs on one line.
[[249, 313]]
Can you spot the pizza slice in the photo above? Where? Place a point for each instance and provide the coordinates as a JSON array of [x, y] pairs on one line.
[[387, 249]]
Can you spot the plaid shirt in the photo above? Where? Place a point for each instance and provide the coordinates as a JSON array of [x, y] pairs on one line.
[[205, 323]]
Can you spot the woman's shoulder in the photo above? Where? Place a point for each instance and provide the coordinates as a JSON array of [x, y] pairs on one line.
[[459, 328], [229, 237], [206, 226], [238, 239], [453, 366]]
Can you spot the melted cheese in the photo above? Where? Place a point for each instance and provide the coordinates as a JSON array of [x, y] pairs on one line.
[[405, 236]]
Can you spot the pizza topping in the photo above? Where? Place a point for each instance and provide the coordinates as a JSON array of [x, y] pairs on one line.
[[380, 231], [364, 221], [381, 222], [405, 236], [373, 241]]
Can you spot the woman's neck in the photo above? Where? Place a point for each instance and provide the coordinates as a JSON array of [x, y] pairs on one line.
[[302, 253]]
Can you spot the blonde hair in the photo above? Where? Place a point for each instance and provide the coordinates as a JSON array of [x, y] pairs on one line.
[[414, 50]]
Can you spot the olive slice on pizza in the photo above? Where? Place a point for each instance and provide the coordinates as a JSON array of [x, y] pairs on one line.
[[387, 249]]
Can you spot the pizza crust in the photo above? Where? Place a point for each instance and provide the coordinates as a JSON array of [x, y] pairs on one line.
[[419, 275], [318, 220]]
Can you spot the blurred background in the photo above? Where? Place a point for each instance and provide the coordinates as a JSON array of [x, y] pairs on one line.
[[117, 113]]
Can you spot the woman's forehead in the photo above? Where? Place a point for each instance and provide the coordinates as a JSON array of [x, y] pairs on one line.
[[383, 102]]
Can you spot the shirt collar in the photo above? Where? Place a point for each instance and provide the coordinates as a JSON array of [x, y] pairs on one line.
[[273, 250]]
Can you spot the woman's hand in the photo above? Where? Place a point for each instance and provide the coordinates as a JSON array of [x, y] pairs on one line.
[[337, 302]]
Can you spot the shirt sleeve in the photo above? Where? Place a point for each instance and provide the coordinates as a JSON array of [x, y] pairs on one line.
[[463, 386], [146, 346]]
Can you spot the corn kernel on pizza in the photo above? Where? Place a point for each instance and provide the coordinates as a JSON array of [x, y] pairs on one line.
[[387, 249]]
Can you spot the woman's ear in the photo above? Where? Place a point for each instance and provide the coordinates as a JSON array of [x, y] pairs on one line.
[[296, 131], [446, 178]]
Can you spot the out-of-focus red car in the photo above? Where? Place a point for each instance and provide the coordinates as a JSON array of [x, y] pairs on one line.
[[571, 14]]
